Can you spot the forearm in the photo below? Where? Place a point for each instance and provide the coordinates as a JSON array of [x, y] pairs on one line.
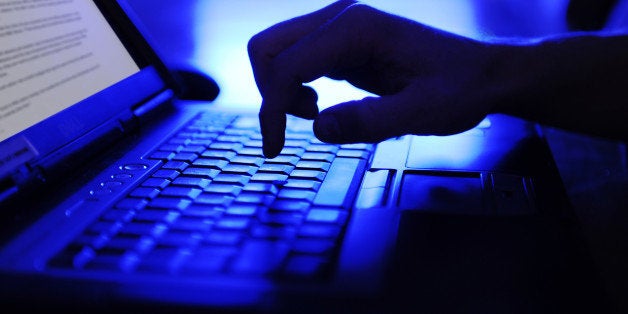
[[578, 83]]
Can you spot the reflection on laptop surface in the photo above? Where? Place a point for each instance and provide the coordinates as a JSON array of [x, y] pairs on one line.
[[117, 195]]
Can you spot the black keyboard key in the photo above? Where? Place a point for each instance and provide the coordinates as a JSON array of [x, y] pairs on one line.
[[319, 231], [326, 216], [219, 154], [175, 165], [308, 175], [301, 266], [132, 203], [220, 188], [269, 177], [214, 199], [165, 156], [240, 169], [181, 192], [223, 237], [302, 184], [297, 194], [166, 174], [195, 182], [261, 257], [233, 223], [273, 232], [261, 187], [327, 157], [170, 203], [247, 160], [350, 153], [201, 172], [228, 178], [313, 165], [148, 215], [145, 193], [276, 168], [186, 157], [163, 260], [335, 189], [210, 163], [286, 160], [190, 225], [289, 206], [158, 183], [242, 210], [179, 239]]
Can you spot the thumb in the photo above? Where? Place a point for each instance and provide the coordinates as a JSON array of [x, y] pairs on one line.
[[370, 120]]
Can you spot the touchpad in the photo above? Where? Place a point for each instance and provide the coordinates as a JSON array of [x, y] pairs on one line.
[[443, 192]]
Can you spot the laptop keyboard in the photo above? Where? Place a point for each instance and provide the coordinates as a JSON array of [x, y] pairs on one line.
[[217, 206]]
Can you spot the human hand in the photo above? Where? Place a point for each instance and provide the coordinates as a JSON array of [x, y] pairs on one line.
[[428, 81]]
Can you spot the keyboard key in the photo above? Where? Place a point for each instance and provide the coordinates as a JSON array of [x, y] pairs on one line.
[[335, 188], [166, 174], [261, 187], [322, 148], [143, 229], [233, 223], [115, 215], [292, 151], [261, 257], [273, 232], [219, 154], [175, 165], [326, 216], [145, 192], [276, 168], [304, 266], [171, 148], [289, 206], [201, 172], [158, 183], [182, 192], [163, 260], [195, 182], [210, 163], [169, 203], [327, 157], [247, 160], [223, 237], [313, 165], [227, 146], [232, 179], [297, 194], [186, 157], [255, 198], [194, 149], [214, 199], [350, 153], [239, 169], [204, 211], [251, 152], [165, 156], [132, 204], [126, 262], [179, 239], [148, 215], [219, 188], [286, 160], [241, 210], [188, 224], [308, 175], [302, 184], [269, 177]]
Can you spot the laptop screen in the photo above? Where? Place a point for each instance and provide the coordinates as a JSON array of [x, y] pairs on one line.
[[53, 54]]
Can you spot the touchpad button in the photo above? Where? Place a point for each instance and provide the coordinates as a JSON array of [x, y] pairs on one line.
[[443, 192]]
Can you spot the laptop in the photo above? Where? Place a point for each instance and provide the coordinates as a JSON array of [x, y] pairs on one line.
[[119, 195]]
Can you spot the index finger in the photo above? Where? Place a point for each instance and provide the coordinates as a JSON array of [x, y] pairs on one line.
[[347, 41]]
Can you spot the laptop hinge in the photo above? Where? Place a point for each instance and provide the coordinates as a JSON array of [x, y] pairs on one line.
[[150, 108], [72, 155]]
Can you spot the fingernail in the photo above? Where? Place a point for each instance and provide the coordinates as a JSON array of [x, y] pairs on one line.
[[326, 128]]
